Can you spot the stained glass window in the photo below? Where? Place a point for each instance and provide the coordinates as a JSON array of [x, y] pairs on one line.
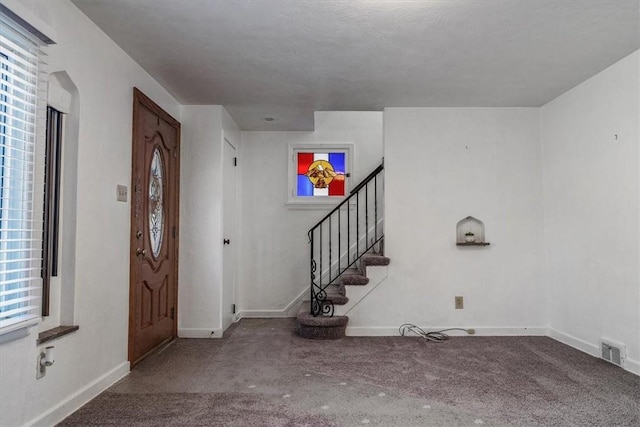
[[321, 174]]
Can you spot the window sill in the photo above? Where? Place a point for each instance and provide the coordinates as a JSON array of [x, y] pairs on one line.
[[57, 332], [19, 330], [321, 205]]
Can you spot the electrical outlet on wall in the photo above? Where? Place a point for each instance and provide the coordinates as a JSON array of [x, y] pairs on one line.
[[459, 303]]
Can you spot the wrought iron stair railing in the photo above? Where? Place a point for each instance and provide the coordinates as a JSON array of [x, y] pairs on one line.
[[343, 236]]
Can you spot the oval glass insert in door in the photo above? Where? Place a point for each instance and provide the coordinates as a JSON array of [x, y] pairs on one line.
[[156, 205]]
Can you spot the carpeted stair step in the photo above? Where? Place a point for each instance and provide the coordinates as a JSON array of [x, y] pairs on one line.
[[337, 299], [336, 294], [340, 289], [320, 327], [374, 259], [353, 277], [336, 289]]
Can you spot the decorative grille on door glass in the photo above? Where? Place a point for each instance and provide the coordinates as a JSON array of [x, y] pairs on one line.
[[156, 206]]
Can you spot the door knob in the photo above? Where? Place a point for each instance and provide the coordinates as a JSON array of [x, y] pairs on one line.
[[142, 252], [226, 241], [139, 234]]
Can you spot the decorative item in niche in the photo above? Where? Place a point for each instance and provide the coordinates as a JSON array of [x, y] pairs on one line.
[[321, 174], [470, 232]]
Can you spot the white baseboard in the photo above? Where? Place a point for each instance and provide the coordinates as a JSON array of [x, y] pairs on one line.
[[574, 342], [262, 314], [389, 331], [200, 332], [294, 306], [630, 365], [291, 310], [73, 402]]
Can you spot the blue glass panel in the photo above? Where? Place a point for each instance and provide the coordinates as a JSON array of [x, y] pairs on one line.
[[305, 187], [337, 161]]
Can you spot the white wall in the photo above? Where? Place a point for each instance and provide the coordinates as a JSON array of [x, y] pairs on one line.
[[93, 357], [442, 165], [274, 250], [201, 255], [591, 210]]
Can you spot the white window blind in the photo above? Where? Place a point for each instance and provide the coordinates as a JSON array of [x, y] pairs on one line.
[[22, 132]]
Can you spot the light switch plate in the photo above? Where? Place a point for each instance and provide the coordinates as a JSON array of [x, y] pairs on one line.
[[122, 193]]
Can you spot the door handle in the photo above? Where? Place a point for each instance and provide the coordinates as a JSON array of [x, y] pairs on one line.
[[226, 241], [142, 252]]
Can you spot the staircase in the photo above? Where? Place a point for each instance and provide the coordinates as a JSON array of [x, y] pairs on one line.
[[342, 245]]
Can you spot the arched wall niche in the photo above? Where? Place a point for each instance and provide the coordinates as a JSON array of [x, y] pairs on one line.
[[470, 231]]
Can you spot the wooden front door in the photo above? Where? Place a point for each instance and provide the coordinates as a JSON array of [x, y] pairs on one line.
[[154, 227]]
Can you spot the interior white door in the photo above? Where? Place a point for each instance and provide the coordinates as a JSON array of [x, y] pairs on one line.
[[228, 229]]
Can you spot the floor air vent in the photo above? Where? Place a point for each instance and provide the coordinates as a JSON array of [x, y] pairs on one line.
[[612, 351]]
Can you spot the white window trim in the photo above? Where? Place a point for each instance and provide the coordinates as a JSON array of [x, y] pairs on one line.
[[62, 95], [317, 202], [31, 21]]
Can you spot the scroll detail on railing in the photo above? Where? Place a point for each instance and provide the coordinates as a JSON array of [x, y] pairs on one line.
[[339, 240]]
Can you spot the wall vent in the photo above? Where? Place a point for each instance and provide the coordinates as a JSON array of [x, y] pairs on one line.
[[613, 351]]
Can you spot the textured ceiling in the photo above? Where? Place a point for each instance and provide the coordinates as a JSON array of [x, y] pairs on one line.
[[286, 58]]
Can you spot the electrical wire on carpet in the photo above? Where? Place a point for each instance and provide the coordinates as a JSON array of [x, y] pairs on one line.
[[435, 336]]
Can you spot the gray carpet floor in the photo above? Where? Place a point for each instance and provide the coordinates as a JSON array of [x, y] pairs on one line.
[[262, 374]]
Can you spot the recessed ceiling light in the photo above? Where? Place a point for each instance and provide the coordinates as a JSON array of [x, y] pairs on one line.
[[269, 119]]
